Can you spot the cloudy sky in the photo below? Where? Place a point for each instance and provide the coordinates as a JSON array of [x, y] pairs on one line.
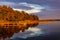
[[44, 9]]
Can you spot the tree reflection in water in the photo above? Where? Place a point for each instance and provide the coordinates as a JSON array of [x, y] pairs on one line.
[[10, 30]]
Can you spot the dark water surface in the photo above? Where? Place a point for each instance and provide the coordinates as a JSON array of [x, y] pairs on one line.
[[51, 31]]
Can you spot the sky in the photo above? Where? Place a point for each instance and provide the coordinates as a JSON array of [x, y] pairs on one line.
[[44, 9]]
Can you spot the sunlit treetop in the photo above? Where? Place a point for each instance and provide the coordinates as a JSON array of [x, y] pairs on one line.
[[7, 13]]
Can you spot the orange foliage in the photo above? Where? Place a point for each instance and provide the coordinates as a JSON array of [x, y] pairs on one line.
[[13, 21]]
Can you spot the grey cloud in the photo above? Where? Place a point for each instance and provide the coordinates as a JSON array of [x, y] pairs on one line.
[[15, 5], [52, 3]]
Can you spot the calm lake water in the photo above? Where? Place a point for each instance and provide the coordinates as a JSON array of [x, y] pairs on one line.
[[50, 28], [48, 31]]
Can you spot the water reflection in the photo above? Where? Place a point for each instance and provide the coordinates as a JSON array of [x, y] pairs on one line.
[[50, 29], [9, 30]]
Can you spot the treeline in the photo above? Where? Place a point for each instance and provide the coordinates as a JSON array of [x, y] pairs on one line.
[[8, 13]]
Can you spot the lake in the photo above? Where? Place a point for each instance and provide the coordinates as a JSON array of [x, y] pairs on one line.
[[48, 31]]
